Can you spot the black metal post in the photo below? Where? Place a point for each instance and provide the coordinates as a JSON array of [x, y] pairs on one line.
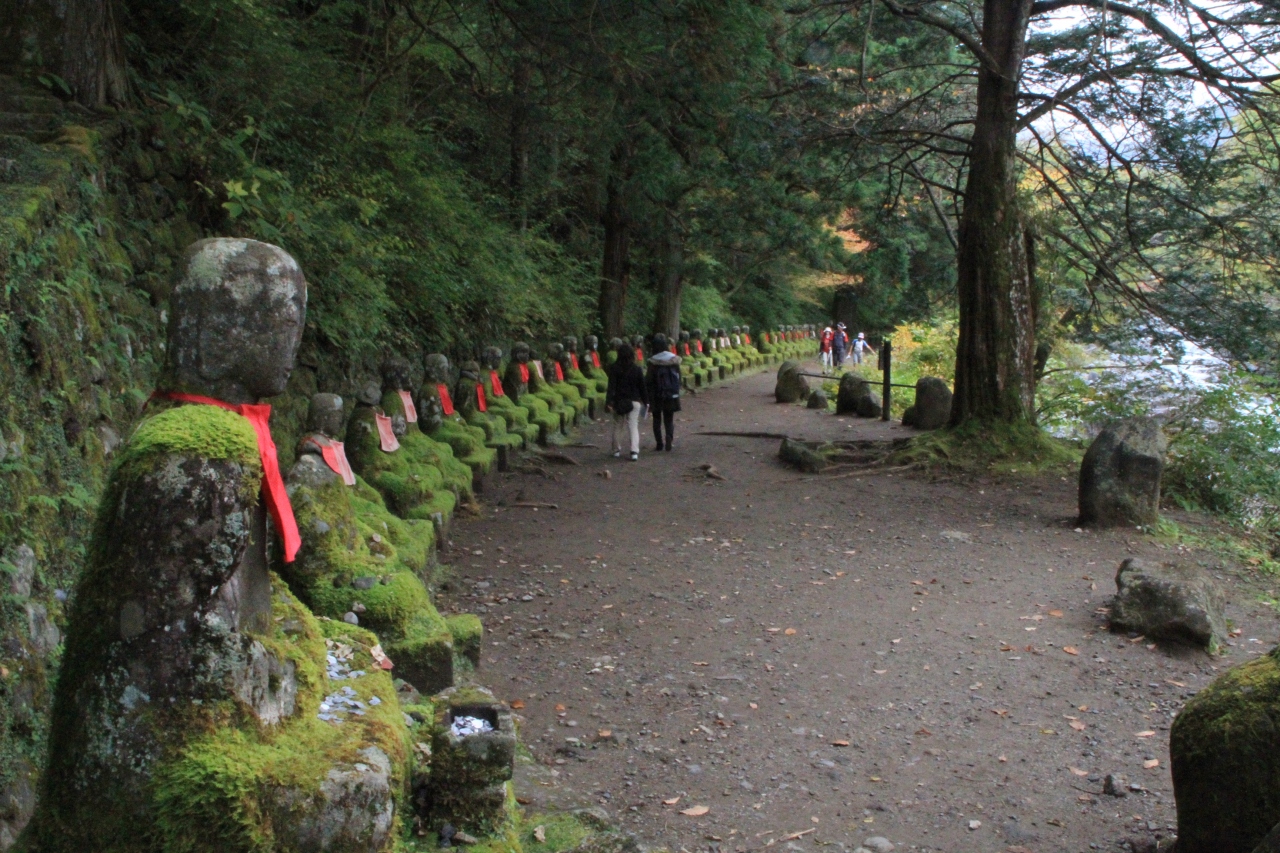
[[886, 361]]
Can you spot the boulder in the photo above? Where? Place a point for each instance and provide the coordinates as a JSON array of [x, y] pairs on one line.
[[817, 399], [932, 408], [1222, 748], [1168, 602], [1120, 475], [792, 387], [858, 397], [802, 455]]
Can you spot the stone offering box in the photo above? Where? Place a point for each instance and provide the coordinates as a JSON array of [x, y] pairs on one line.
[[469, 774]]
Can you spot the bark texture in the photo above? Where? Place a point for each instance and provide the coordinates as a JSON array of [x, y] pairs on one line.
[[615, 276], [93, 61], [995, 356], [667, 314]]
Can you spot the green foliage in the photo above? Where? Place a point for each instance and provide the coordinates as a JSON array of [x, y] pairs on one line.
[[1222, 453]]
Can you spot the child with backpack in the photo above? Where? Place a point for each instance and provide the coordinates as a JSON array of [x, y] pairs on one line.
[[663, 381]]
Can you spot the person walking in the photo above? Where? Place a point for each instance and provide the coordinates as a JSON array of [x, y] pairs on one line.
[[663, 387], [839, 345], [860, 346], [626, 396], [824, 347]]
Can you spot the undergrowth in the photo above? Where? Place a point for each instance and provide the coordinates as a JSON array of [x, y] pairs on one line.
[[986, 448]]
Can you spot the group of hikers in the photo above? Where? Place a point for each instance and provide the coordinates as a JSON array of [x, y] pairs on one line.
[[634, 392], [836, 347]]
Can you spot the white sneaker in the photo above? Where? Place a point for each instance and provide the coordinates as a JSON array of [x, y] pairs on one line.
[[635, 457], [617, 454]]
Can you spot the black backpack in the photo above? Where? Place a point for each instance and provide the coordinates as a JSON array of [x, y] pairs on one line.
[[667, 382]]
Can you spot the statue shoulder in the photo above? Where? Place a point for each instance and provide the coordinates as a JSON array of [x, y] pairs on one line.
[[195, 430]]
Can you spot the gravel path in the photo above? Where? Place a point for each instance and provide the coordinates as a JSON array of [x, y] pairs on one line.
[[816, 661]]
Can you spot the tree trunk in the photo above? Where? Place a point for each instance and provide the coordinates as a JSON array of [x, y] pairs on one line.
[[995, 356], [521, 77], [667, 317], [616, 273], [93, 61]]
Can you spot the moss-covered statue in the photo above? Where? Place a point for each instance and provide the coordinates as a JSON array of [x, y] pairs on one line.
[[361, 564], [405, 467], [541, 374], [533, 373], [516, 383], [692, 373], [704, 354], [499, 401], [444, 423], [557, 369], [612, 355], [581, 371], [591, 364], [472, 403], [191, 706]]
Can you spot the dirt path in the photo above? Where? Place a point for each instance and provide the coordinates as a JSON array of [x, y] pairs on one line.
[[826, 660]]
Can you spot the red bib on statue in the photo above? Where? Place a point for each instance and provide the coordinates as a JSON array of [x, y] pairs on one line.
[[573, 359], [386, 435], [335, 456], [480, 401], [595, 358], [446, 402], [410, 412], [524, 373], [559, 372], [273, 492], [495, 384]]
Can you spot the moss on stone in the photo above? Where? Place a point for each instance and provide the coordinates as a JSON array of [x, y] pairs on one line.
[[1222, 747], [195, 430], [468, 635]]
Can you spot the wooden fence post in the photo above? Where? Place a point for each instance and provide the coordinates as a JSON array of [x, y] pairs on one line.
[[886, 364]]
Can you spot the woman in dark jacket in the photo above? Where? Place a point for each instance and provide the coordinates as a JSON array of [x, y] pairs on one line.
[[625, 396], [663, 384]]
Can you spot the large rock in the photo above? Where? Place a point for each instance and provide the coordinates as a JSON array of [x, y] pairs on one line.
[[1168, 602], [1120, 475], [792, 387], [857, 397], [19, 568], [932, 408], [1223, 747], [817, 399]]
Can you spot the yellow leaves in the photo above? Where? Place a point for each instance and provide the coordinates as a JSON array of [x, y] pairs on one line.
[[517, 705], [695, 811], [1071, 650]]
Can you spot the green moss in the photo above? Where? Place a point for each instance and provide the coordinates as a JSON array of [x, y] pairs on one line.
[[195, 430], [1222, 748], [230, 788], [991, 448], [468, 635]]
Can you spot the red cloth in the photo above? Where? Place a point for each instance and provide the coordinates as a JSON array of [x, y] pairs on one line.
[[746, 339], [410, 411], [386, 435], [273, 491], [446, 402], [639, 356], [537, 366], [573, 359], [595, 358], [524, 373], [335, 456], [481, 404], [559, 372], [699, 346], [495, 384]]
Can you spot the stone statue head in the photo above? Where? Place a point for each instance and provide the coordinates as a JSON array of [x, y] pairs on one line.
[[397, 374], [684, 337], [637, 341], [571, 343], [554, 351], [235, 320], [437, 366], [370, 394], [491, 357], [591, 342], [562, 355], [521, 353], [737, 330], [746, 330], [614, 343], [325, 415], [470, 370], [696, 334], [399, 425]]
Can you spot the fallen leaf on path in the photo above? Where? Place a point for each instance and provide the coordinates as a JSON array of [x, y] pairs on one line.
[[1000, 712], [540, 834], [924, 732], [1078, 725], [517, 705], [695, 811], [1175, 683], [876, 779], [1147, 733], [789, 631], [1007, 648], [1150, 763], [700, 663], [772, 630], [879, 671], [1076, 771], [1053, 821], [793, 836], [839, 743], [842, 574], [607, 607], [917, 583], [1071, 650], [603, 733], [1057, 614], [752, 705], [561, 708], [671, 802]]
